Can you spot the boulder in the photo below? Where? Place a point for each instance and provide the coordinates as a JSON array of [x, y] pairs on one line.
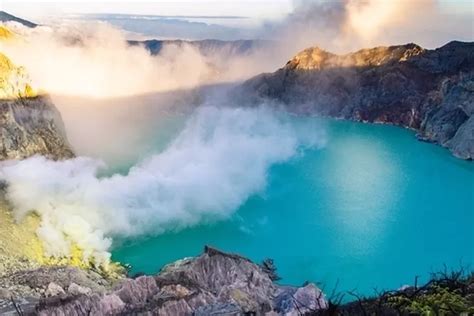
[[75, 289], [54, 289]]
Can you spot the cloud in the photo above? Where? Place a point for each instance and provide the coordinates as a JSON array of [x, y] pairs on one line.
[[94, 59], [221, 158], [342, 26]]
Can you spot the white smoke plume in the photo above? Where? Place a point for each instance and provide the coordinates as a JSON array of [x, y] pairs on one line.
[[346, 25], [94, 59], [216, 163]]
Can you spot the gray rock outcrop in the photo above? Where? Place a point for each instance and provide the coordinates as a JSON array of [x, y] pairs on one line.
[[214, 283], [32, 126]]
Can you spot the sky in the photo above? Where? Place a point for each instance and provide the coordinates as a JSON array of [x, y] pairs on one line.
[[362, 23], [265, 9], [247, 8]]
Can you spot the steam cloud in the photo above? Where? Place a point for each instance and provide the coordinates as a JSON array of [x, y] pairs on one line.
[[94, 59], [347, 25], [221, 157]]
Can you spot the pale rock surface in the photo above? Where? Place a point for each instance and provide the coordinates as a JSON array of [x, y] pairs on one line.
[[214, 283], [29, 123], [54, 290]]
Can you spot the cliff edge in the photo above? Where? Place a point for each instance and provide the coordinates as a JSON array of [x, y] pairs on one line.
[[431, 91], [29, 123]]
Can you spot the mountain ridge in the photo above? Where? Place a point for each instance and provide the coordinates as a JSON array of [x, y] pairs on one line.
[[7, 17], [430, 91], [206, 46], [315, 58]]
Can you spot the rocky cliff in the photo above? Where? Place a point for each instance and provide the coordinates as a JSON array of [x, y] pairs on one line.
[[214, 283], [32, 126], [29, 123], [431, 91]]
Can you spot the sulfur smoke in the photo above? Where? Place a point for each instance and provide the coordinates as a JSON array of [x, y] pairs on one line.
[[348, 25], [221, 158], [94, 59]]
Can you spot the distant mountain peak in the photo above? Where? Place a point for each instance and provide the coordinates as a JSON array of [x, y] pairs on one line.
[[431, 91], [7, 17], [315, 58]]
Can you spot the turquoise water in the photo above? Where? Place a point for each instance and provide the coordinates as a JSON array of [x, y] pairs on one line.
[[372, 209]]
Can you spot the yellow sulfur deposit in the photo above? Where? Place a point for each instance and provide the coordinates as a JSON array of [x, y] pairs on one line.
[[5, 33], [14, 81], [19, 243], [19, 240]]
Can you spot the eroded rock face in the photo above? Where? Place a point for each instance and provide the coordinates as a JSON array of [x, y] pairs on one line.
[[32, 126], [215, 283], [29, 123], [431, 91]]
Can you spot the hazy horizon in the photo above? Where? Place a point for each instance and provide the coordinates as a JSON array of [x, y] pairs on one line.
[[429, 23], [257, 9]]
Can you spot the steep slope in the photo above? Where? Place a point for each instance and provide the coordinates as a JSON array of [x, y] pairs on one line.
[[29, 123], [431, 91], [6, 17]]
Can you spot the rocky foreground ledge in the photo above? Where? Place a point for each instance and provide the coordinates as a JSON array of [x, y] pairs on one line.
[[214, 283]]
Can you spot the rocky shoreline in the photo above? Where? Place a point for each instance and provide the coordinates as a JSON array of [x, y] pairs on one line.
[[430, 91]]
